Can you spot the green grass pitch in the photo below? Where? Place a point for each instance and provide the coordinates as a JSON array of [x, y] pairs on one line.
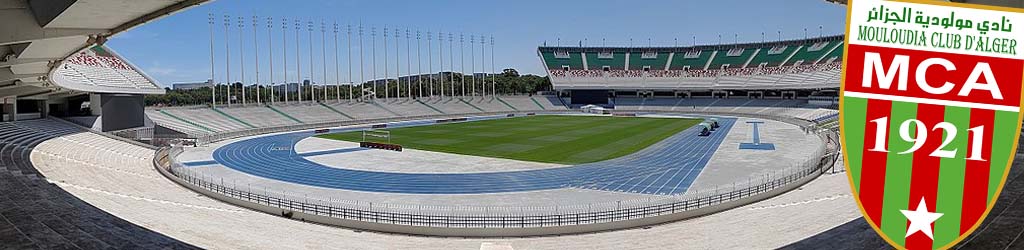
[[542, 138]]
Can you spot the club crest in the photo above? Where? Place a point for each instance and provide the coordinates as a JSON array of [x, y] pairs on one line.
[[930, 115]]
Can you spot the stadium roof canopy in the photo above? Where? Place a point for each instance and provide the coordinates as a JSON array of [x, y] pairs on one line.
[[36, 35]]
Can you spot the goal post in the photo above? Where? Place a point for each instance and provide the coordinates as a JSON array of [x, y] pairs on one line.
[[377, 135], [378, 139]]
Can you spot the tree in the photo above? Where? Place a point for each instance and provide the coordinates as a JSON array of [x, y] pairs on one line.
[[510, 72], [508, 82]]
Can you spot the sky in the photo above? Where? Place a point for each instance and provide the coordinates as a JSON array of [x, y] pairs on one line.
[[176, 48]]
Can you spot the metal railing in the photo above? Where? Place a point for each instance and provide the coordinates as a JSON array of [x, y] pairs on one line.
[[479, 217]]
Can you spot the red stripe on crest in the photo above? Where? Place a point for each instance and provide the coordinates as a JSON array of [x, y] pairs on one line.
[[977, 172], [924, 179]]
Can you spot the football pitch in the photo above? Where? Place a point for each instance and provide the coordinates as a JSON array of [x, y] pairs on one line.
[[543, 138]]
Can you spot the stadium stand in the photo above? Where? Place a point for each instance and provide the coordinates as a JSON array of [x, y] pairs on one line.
[[204, 121], [36, 214], [801, 64], [208, 118], [180, 124], [259, 116], [558, 59], [99, 69]]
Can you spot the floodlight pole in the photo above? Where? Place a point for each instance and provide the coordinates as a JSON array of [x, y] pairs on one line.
[[241, 55], [408, 65], [440, 67], [472, 65], [337, 75], [373, 55], [494, 80], [270, 39], [462, 63], [227, 58], [483, 65], [323, 59], [419, 65], [298, 60], [256, 43], [284, 58], [398, 68], [430, 64], [386, 90], [451, 59], [213, 67], [312, 84], [350, 63], [362, 78]]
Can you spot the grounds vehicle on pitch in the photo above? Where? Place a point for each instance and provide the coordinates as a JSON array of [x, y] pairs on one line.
[[705, 129]]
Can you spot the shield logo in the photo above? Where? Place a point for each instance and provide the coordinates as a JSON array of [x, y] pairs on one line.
[[929, 114]]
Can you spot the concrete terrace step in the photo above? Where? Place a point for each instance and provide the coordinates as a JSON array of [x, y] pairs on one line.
[[337, 111], [386, 109], [506, 103], [40, 215], [538, 103], [186, 121], [233, 118], [283, 114], [471, 105], [431, 107]]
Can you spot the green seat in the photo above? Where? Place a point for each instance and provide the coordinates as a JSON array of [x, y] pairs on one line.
[[772, 56], [836, 55], [638, 62], [680, 60], [734, 61], [575, 60], [809, 56], [616, 62]]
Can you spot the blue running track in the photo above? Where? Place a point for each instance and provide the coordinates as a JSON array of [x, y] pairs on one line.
[[667, 167]]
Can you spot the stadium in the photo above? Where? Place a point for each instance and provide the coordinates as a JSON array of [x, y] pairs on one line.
[[726, 145]]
